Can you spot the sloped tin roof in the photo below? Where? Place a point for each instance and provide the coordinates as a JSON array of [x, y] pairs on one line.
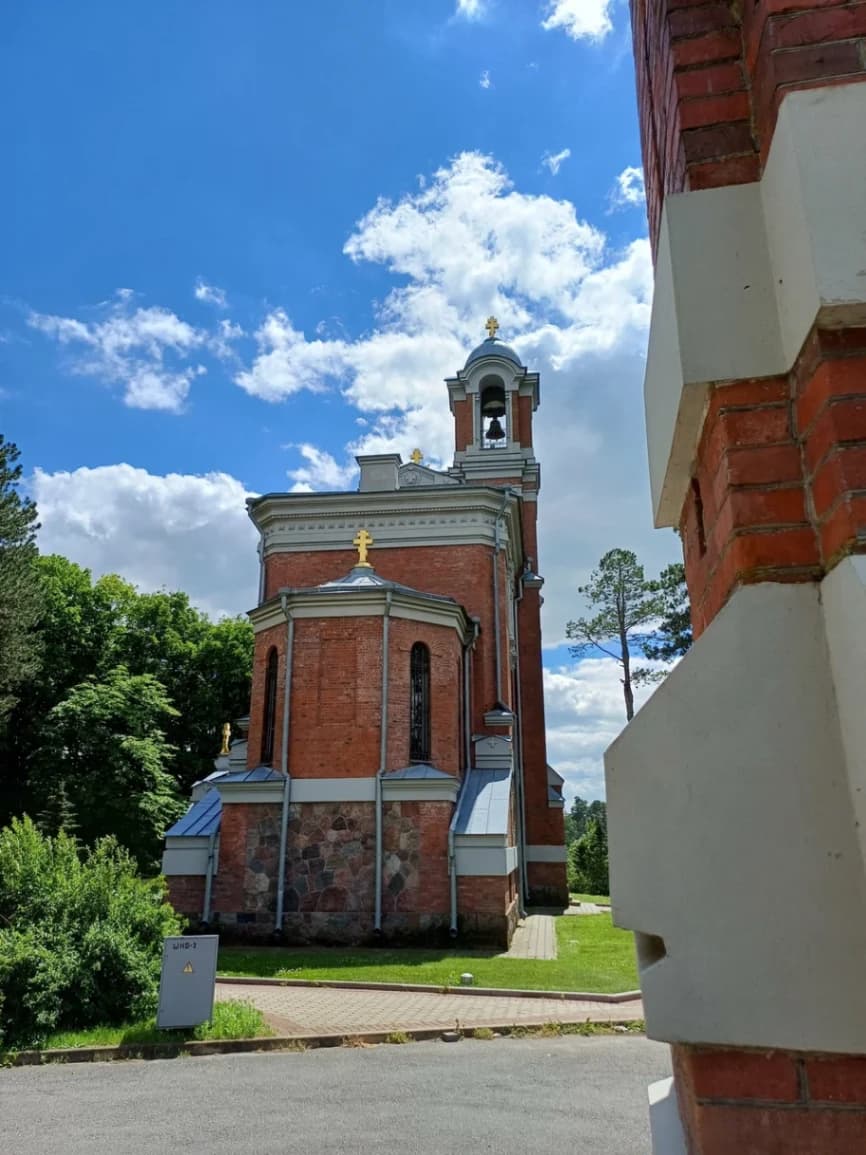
[[484, 803], [201, 820]]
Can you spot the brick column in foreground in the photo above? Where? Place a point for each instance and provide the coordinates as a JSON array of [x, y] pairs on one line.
[[737, 796]]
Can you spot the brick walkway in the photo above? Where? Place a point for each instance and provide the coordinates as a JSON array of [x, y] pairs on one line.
[[535, 937], [324, 1010]]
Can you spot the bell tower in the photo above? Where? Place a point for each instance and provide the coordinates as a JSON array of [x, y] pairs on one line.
[[493, 398]]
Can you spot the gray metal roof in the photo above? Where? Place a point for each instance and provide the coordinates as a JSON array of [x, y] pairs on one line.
[[257, 774], [365, 577], [484, 803], [419, 771], [201, 820], [492, 348]]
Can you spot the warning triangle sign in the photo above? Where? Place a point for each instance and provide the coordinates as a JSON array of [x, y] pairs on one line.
[[187, 970]]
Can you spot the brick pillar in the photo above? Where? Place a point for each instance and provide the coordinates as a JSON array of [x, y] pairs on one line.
[[737, 797]]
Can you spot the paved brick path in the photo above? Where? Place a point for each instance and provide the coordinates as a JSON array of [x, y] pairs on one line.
[[325, 1010], [535, 937]]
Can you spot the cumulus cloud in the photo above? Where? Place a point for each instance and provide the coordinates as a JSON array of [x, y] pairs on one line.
[[554, 160], [210, 294], [146, 351], [579, 19], [322, 471], [471, 9], [584, 713], [629, 189], [466, 244], [177, 531], [484, 80]]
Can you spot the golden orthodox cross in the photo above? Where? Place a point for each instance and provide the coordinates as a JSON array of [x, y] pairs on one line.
[[363, 541], [492, 326], [417, 456]]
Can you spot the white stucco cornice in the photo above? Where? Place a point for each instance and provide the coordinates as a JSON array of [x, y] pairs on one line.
[[438, 515], [344, 602]]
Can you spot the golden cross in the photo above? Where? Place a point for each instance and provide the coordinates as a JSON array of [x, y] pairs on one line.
[[363, 541], [417, 456], [492, 326]]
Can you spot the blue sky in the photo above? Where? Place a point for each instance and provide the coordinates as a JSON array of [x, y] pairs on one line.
[[242, 242]]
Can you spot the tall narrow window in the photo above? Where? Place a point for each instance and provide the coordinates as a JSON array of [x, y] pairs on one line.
[[419, 704], [269, 709]]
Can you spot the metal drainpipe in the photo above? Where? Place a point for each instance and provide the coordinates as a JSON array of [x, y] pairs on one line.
[[467, 732], [383, 755], [521, 793], [497, 549], [284, 766], [208, 881]]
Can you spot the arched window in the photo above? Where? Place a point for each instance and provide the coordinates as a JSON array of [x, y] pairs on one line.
[[269, 709], [419, 704]]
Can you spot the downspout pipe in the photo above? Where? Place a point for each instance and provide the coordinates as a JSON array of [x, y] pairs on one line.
[[497, 543], [467, 762], [208, 879], [284, 767], [521, 792], [383, 761]]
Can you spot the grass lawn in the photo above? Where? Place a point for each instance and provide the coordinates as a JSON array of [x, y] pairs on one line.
[[235, 1020], [600, 899], [593, 956]]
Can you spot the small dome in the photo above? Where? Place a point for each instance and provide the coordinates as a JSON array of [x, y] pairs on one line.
[[492, 348]]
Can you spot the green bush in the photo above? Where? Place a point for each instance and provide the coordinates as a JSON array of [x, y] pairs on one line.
[[587, 861], [80, 935]]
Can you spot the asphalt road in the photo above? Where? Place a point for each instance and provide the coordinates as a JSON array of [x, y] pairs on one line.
[[506, 1095]]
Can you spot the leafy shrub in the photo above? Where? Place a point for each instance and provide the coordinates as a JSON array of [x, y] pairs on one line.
[[587, 861], [80, 935]]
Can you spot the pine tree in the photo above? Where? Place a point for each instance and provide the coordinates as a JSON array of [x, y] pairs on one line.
[[19, 588]]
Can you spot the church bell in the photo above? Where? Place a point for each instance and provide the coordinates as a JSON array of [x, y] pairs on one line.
[[495, 432]]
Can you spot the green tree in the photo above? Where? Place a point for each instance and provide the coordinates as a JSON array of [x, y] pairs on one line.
[[19, 594], [87, 629], [627, 605], [80, 936], [588, 860], [581, 814], [105, 747]]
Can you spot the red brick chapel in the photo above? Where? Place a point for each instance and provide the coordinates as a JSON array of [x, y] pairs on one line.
[[391, 780]]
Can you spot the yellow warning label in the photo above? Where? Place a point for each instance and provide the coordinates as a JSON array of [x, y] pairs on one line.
[[187, 970]]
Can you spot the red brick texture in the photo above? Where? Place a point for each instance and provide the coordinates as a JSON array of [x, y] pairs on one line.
[[186, 895], [779, 492], [712, 74], [464, 573], [771, 1103]]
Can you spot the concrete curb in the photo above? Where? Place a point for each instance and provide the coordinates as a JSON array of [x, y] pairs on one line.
[[194, 1048], [495, 992]]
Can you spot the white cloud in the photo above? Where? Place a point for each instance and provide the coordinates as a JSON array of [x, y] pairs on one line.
[[584, 711], [471, 9], [629, 189], [579, 19], [485, 81], [176, 532], [554, 160], [322, 471], [210, 294], [287, 362], [141, 349], [463, 245]]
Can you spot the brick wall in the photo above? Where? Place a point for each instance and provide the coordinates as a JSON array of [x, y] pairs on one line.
[[779, 492], [711, 76], [548, 885], [463, 424], [798, 1104], [446, 693], [186, 895], [274, 638], [415, 875], [463, 572]]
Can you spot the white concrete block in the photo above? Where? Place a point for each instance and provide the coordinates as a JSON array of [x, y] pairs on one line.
[[733, 846]]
